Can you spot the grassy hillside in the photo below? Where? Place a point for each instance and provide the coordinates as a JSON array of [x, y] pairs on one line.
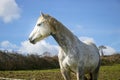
[[106, 73]]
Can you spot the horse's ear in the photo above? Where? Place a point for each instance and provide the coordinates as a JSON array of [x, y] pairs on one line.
[[42, 14]]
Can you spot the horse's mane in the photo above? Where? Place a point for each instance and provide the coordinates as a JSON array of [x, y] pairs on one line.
[[53, 20], [58, 25]]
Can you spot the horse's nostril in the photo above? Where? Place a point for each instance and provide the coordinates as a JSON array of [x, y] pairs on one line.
[[31, 41]]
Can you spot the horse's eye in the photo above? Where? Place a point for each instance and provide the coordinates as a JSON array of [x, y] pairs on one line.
[[39, 24]]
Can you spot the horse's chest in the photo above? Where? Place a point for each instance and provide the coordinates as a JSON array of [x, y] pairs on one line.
[[70, 62]]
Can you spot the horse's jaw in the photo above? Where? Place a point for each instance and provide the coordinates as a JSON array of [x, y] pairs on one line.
[[34, 41]]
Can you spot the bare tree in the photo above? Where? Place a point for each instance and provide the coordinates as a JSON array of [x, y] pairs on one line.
[[101, 49]]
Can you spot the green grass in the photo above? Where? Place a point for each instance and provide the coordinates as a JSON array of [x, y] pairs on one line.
[[110, 72], [106, 73]]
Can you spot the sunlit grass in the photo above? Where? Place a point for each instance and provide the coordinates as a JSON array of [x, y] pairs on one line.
[[110, 72], [106, 73]]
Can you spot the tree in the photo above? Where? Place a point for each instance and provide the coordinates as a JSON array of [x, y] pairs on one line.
[[101, 49]]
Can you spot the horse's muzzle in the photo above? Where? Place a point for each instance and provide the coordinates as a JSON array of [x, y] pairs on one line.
[[32, 41]]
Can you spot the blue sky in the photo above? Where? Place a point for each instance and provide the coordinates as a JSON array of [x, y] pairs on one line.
[[97, 20]]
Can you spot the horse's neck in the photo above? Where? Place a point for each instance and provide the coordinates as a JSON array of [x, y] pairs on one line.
[[65, 38]]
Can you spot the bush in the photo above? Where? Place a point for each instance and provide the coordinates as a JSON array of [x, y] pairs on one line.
[[15, 61], [111, 59]]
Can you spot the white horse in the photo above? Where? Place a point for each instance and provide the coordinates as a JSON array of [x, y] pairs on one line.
[[74, 55]]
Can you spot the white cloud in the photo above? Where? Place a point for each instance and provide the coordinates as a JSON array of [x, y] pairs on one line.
[[6, 45], [28, 48], [42, 46], [9, 10], [39, 48], [109, 50], [89, 39]]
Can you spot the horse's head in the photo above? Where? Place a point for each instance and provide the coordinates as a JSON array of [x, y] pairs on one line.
[[41, 30]]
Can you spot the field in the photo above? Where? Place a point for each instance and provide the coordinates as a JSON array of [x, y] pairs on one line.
[[106, 73]]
